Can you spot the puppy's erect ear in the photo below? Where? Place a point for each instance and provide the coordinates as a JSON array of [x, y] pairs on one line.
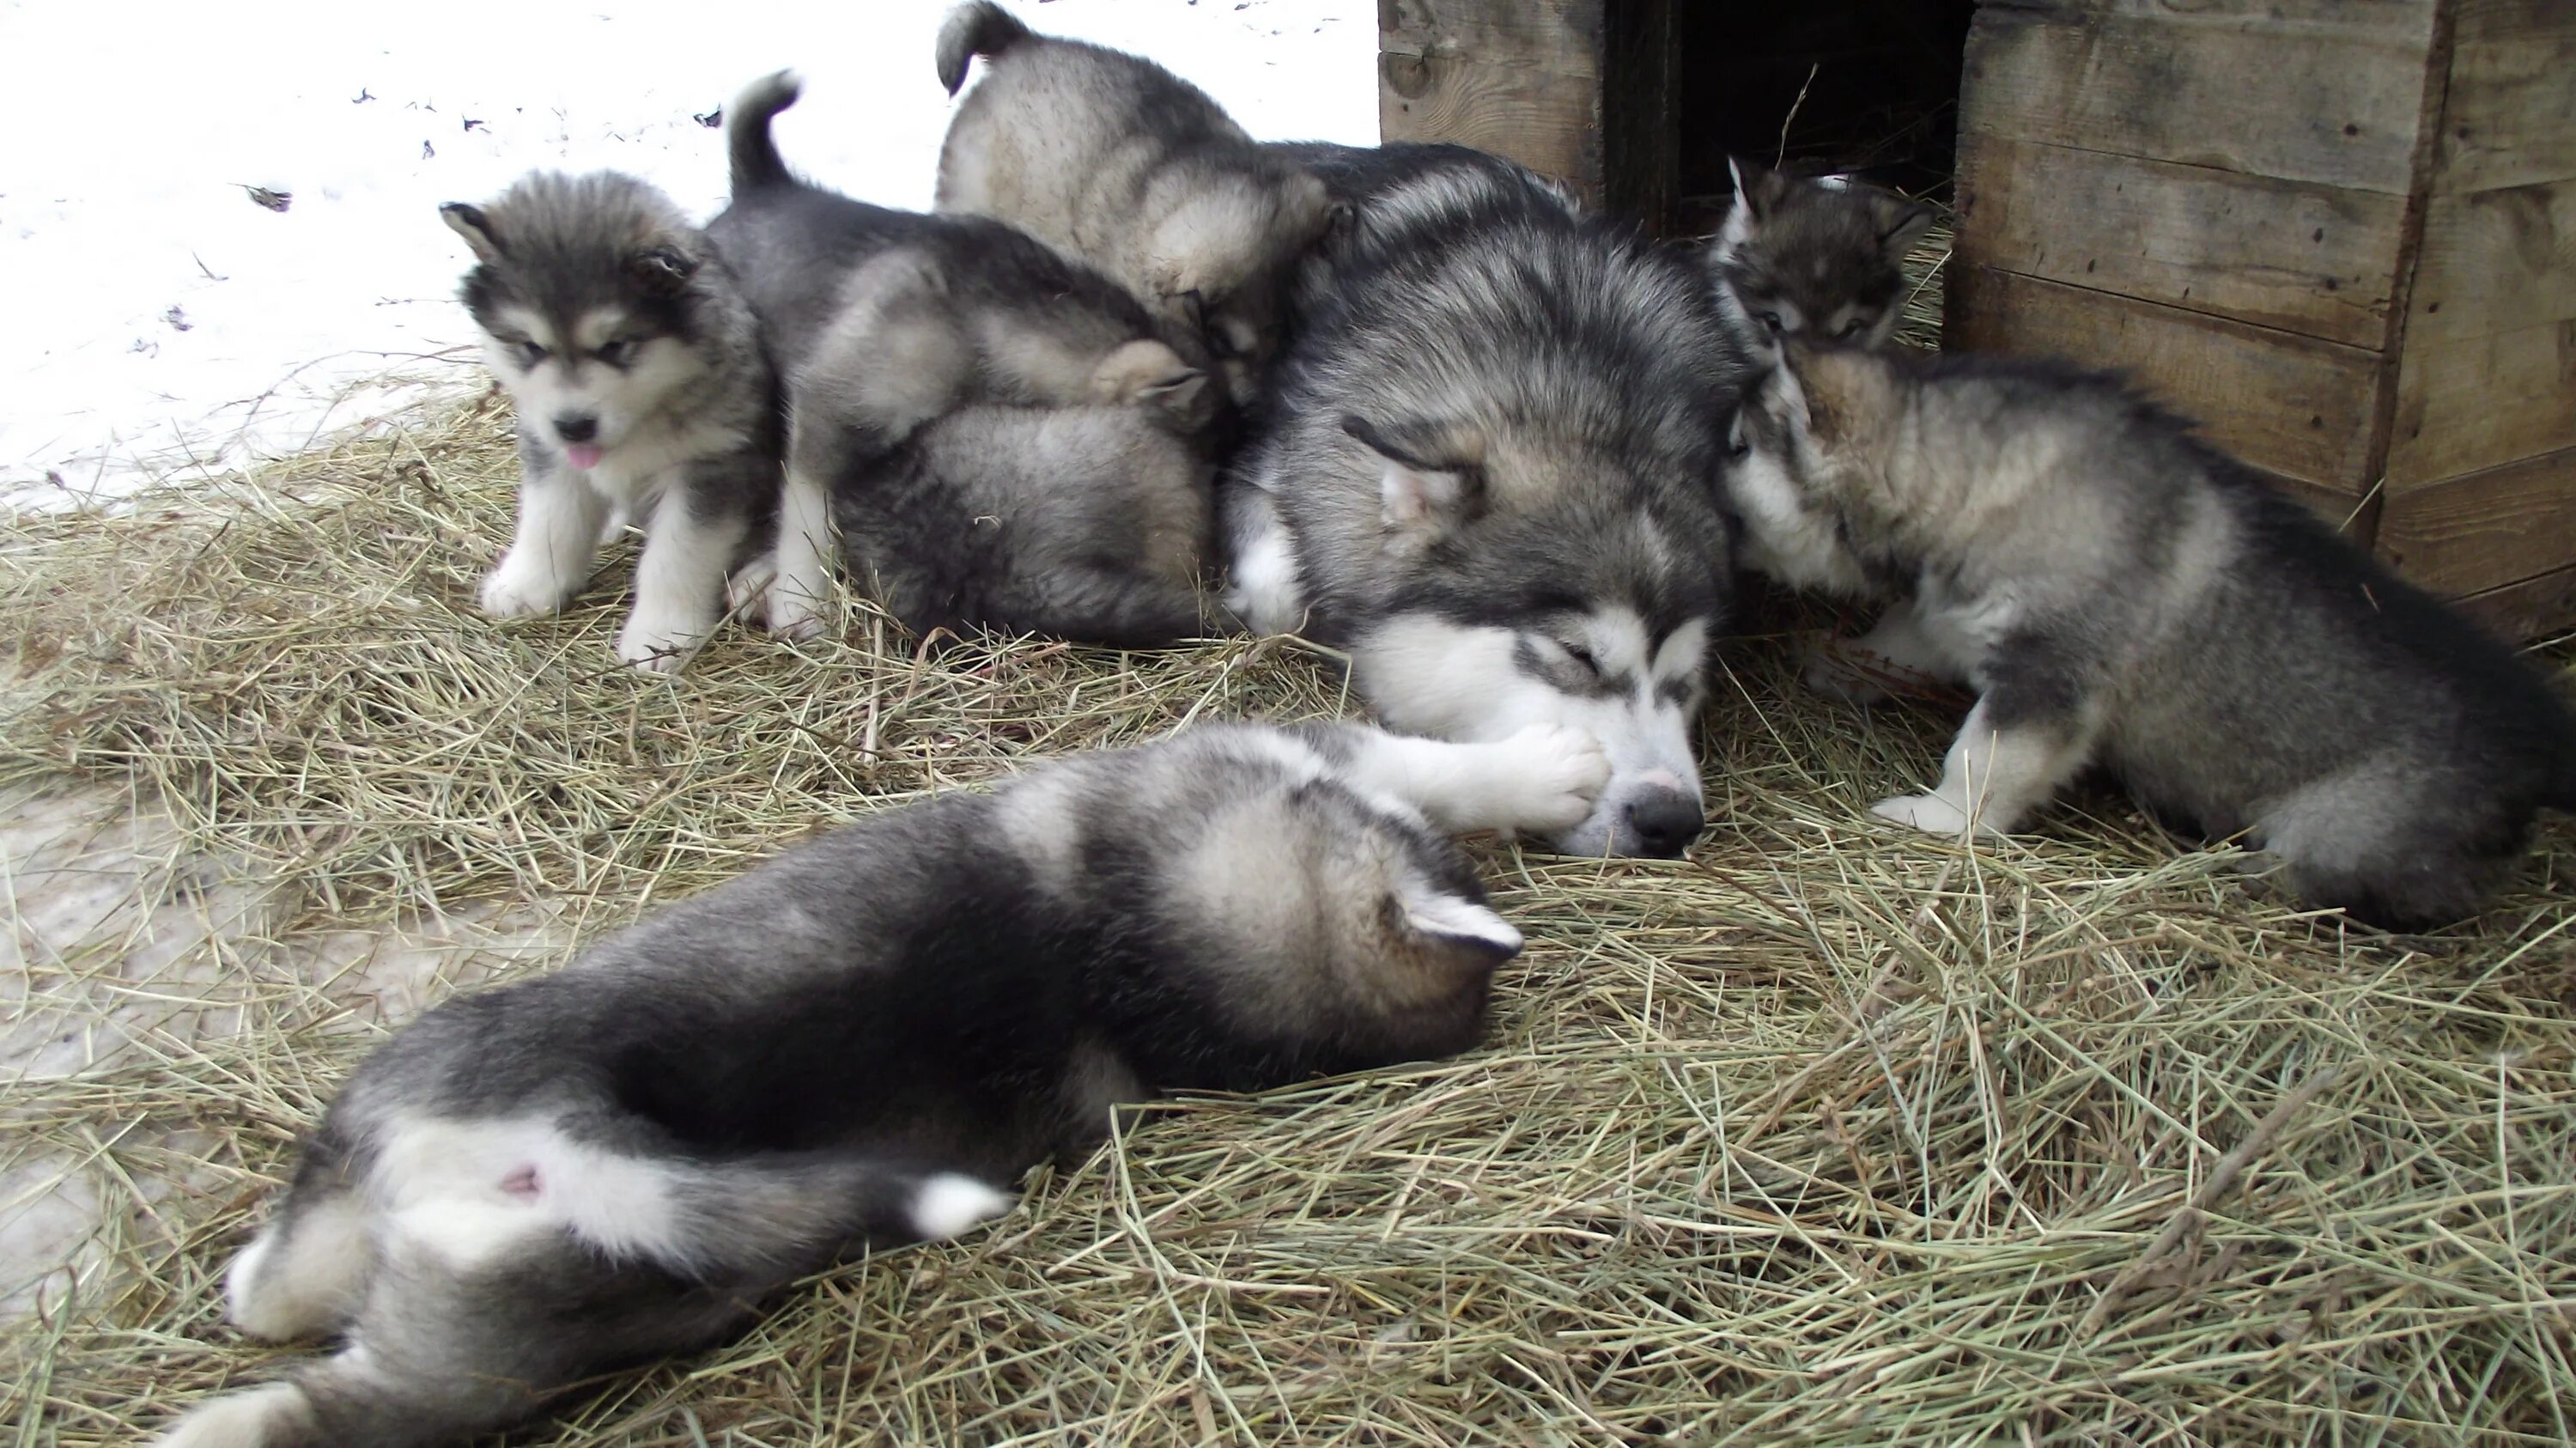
[[470, 222], [1451, 924], [664, 268], [1901, 223], [1432, 479]]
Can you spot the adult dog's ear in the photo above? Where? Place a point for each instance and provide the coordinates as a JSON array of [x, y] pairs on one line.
[[470, 222], [1432, 474], [664, 268]]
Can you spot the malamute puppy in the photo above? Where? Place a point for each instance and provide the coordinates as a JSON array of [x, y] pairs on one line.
[[1821, 257], [2117, 590], [866, 1040], [1119, 162], [881, 321], [642, 394], [1086, 523], [1489, 471]]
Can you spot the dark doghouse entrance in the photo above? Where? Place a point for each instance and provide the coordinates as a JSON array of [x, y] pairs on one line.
[[1881, 83]]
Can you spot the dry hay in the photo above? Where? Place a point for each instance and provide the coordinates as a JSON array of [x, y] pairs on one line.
[[1831, 1134]]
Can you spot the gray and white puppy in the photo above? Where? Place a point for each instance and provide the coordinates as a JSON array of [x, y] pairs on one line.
[[1086, 523], [1489, 471], [2117, 591], [881, 321], [863, 1041], [1818, 257], [642, 392], [1115, 160]]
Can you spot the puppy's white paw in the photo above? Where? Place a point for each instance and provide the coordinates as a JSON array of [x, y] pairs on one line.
[[1557, 773], [1840, 676], [1926, 812], [746, 586], [659, 645], [794, 615], [515, 590]]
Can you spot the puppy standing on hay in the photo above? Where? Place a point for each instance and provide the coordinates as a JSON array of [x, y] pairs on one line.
[[883, 321], [1490, 471], [642, 393], [1112, 159], [852, 1043], [2117, 590], [1819, 258]]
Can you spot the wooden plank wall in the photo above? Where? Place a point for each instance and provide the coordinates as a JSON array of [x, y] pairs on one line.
[[2213, 197], [2481, 469]]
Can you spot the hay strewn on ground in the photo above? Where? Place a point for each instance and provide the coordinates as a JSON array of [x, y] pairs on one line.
[[1831, 1134]]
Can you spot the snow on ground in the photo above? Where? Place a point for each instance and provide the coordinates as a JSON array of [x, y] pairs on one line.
[[152, 316]]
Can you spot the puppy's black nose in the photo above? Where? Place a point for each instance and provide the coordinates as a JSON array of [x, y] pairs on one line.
[[1660, 824], [576, 426]]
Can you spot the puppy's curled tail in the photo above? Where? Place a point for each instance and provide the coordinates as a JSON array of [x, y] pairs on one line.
[[753, 155], [978, 27]]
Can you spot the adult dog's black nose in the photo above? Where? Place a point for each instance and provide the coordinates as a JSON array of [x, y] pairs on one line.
[[1660, 824], [576, 426]]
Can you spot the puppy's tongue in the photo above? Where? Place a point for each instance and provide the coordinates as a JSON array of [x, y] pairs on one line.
[[582, 455]]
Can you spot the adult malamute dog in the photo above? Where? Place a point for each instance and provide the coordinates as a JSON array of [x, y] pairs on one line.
[[1490, 471], [642, 394], [1821, 257], [1115, 160], [863, 1040], [883, 320], [1086, 523], [2116, 590]]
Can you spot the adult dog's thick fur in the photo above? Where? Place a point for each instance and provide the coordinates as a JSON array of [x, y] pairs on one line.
[[1489, 471], [882, 321], [866, 1040], [1115, 160], [2117, 590], [643, 395]]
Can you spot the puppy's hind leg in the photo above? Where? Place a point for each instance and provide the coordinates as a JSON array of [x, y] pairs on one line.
[[306, 1272], [1541, 780]]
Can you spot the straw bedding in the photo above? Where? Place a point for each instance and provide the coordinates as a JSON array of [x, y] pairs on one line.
[[1829, 1134]]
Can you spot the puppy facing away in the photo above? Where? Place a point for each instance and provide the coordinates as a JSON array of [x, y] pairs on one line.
[[1113, 159], [881, 321], [1818, 257], [2115, 590], [1086, 523], [864, 1041], [642, 392]]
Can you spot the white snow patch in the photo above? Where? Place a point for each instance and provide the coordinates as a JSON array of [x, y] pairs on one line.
[[154, 318]]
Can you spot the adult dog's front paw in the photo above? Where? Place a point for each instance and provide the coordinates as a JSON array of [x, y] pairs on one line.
[[1557, 773]]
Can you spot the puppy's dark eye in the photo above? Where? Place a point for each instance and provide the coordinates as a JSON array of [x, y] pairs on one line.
[[1769, 319], [530, 354], [1583, 657], [1850, 328], [1738, 448], [616, 353]]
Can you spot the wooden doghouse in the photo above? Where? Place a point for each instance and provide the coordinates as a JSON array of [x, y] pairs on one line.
[[2342, 233]]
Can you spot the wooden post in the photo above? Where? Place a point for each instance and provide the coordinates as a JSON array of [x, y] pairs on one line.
[[1580, 91]]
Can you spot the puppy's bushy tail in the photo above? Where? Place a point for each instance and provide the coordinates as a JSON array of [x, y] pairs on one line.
[[753, 155], [978, 27]]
